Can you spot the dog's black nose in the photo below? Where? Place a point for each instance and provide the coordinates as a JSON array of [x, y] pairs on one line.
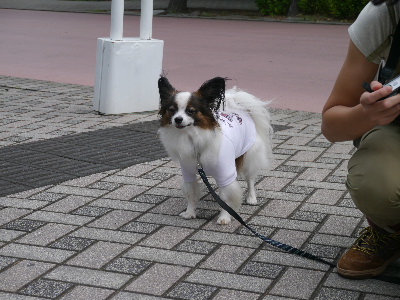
[[178, 120]]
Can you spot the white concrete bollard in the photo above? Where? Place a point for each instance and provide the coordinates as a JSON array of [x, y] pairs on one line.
[[127, 69]]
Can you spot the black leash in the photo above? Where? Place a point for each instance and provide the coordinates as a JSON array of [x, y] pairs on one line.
[[287, 248], [274, 243]]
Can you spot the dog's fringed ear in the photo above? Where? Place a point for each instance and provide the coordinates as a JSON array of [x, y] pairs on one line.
[[213, 92], [165, 89]]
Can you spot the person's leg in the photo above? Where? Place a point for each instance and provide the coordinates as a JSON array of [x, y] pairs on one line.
[[373, 182]]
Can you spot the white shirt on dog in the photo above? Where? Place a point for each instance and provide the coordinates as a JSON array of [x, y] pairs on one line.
[[238, 136]]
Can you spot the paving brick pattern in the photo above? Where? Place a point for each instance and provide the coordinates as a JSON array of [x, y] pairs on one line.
[[89, 209]]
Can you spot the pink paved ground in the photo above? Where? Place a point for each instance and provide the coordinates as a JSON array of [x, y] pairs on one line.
[[294, 64]]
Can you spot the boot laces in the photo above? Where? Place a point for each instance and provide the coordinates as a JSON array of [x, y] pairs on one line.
[[376, 243]]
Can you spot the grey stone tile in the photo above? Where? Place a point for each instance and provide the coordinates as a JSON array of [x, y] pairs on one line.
[[9, 235], [24, 225], [48, 196], [284, 223], [266, 231], [36, 253], [136, 296], [279, 208], [165, 192], [378, 297], [91, 211], [140, 227], [336, 179], [347, 202], [192, 291], [46, 288], [332, 210], [157, 176], [130, 181], [89, 277], [97, 255], [332, 240], [148, 198], [314, 174], [229, 280], [172, 206], [126, 192], [323, 251], [78, 191], [55, 217], [328, 197], [72, 243], [122, 205], [22, 273], [68, 204], [6, 261], [128, 266], [279, 195], [166, 237], [335, 294], [22, 203], [226, 294], [226, 239], [171, 220], [307, 155], [366, 286], [308, 216], [12, 296], [287, 259], [196, 247], [165, 256], [297, 189], [259, 269], [87, 292], [10, 213], [114, 219], [290, 169], [103, 185], [108, 235], [273, 184], [87, 181], [297, 283], [227, 258], [137, 170], [158, 279], [46, 234], [339, 225]]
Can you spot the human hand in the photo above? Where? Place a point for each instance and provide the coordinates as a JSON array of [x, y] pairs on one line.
[[380, 112]]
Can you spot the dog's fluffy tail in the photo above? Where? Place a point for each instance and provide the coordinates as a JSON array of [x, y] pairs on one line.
[[240, 100]]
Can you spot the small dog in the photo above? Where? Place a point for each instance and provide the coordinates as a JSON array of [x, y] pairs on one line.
[[236, 137]]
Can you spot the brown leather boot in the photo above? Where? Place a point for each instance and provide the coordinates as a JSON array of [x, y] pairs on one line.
[[369, 256]]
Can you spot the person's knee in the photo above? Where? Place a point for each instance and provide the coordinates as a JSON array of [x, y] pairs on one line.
[[373, 184]]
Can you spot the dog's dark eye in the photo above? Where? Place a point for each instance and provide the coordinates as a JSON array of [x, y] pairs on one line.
[[190, 111], [172, 110]]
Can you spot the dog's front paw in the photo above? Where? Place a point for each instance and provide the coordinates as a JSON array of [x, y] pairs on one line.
[[251, 200], [224, 220], [188, 215]]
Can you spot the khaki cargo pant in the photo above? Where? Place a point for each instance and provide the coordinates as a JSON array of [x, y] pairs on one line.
[[373, 179]]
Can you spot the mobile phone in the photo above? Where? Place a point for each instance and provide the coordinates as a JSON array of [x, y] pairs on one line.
[[394, 83]]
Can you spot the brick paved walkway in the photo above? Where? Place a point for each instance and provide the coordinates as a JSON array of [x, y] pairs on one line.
[[89, 210]]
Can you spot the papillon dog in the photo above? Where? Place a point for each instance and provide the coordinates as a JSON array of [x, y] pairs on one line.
[[227, 132]]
